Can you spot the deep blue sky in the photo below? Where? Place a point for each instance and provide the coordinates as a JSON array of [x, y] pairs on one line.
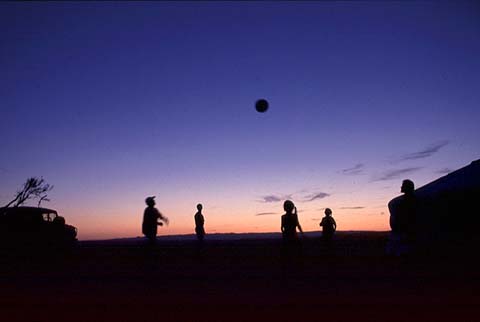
[[115, 101]]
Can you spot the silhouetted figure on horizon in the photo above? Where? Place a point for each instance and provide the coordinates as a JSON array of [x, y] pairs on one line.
[[328, 224], [291, 251], [403, 221], [199, 223], [290, 221], [151, 219]]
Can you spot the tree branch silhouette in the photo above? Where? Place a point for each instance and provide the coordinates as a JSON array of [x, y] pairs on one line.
[[33, 188]]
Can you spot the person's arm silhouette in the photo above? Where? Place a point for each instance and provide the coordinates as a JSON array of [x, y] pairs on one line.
[[298, 223], [162, 219]]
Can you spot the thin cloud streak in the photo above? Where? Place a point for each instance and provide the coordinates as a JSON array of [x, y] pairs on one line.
[[274, 198], [356, 170], [396, 173], [357, 207], [266, 214], [315, 196], [425, 153]]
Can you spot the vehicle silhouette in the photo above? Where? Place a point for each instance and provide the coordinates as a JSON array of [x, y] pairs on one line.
[[34, 227]]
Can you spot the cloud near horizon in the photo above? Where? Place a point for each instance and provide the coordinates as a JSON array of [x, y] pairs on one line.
[[315, 196], [266, 214], [355, 170], [356, 207], [274, 198], [396, 173], [424, 153]]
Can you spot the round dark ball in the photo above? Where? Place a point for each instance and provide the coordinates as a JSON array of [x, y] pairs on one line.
[[261, 105]]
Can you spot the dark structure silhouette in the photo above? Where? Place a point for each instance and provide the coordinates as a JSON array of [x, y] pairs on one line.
[[199, 223], [441, 215], [151, 219], [34, 227], [290, 221], [328, 224]]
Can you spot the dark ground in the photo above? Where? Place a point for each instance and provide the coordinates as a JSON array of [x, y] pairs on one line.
[[242, 280]]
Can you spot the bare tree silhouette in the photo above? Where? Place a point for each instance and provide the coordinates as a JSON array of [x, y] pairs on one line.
[[32, 188]]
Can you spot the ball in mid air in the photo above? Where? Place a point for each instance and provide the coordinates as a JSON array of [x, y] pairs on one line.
[[261, 105]]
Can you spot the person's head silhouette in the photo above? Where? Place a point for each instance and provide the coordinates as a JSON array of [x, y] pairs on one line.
[[150, 201], [199, 207], [407, 186], [328, 211], [288, 206]]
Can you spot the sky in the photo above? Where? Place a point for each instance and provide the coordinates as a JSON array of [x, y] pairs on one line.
[[111, 102]]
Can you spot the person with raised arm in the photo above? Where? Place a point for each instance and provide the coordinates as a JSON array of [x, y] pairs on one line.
[[152, 218]]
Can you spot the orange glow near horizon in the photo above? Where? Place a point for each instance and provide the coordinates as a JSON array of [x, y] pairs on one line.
[[109, 114], [103, 215], [127, 223]]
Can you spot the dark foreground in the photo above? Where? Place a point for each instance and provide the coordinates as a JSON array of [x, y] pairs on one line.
[[247, 280]]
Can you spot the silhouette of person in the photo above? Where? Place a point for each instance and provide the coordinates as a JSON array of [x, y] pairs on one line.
[[199, 223], [408, 220], [403, 220], [151, 219], [291, 251], [290, 221], [328, 225]]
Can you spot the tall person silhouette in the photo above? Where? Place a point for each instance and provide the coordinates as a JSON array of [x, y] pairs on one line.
[[151, 219], [291, 246], [199, 223], [290, 221], [403, 221]]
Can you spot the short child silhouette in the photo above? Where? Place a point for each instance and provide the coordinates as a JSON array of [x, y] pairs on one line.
[[328, 224]]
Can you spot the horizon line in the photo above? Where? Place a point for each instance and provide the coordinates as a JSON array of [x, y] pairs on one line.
[[232, 233]]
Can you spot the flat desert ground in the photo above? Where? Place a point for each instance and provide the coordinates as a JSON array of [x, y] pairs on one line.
[[238, 280]]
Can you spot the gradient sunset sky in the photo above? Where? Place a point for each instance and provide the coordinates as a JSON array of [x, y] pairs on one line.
[[112, 102]]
